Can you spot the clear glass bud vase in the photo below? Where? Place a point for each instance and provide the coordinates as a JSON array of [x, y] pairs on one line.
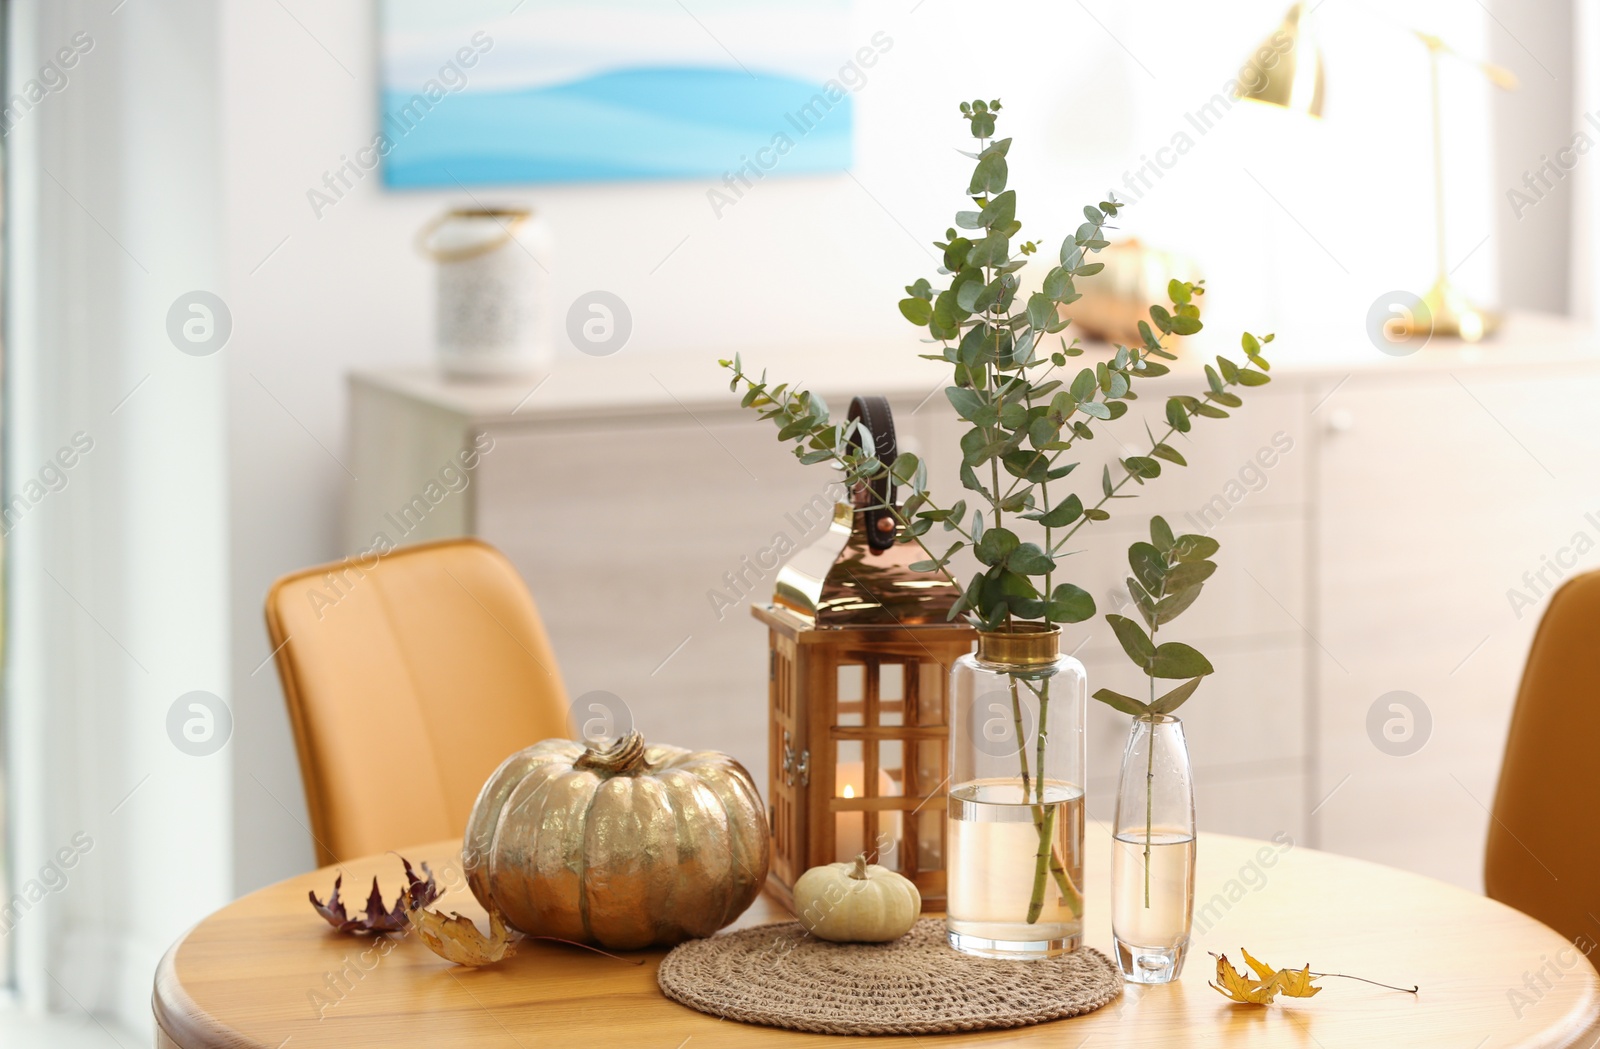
[[1152, 860], [1015, 864]]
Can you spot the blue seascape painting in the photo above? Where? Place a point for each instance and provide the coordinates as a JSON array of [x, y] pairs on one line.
[[591, 90]]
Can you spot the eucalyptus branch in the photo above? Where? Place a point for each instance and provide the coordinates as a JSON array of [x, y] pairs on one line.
[[1021, 419], [851, 466], [1210, 397]]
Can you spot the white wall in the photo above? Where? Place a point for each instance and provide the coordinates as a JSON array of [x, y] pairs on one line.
[[1532, 125], [801, 259]]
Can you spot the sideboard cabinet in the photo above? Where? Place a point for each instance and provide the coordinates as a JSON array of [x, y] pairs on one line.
[[1389, 529]]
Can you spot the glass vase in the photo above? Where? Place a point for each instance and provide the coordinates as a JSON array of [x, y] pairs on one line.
[[1015, 864], [1152, 860]]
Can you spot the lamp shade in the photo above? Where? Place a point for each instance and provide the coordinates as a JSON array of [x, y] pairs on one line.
[[1286, 70]]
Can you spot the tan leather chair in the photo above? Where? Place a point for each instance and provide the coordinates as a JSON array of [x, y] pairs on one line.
[[408, 679], [1543, 855]]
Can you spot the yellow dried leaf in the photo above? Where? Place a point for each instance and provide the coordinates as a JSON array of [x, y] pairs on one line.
[[1296, 983], [1270, 982], [1238, 987], [1292, 983], [458, 939]]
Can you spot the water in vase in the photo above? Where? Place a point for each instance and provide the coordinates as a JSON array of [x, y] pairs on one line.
[[1152, 930], [994, 870]]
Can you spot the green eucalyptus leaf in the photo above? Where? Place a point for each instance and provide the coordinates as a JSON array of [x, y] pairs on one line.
[[1194, 547], [1029, 559], [1041, 310], [1125, 704], [1187, 574], [967, 403], [917, 311], [905, 467], [947, 317], [1171, 701], [1149, 567], [1169, 453], [1063, 513], [1001, 210], [989, 177], [1142, 467], [1070, 604], [1175, 659], [996, 544], [1177, 415], [1173, 605], [1135, 642], [1143, 602], [1161, 534]]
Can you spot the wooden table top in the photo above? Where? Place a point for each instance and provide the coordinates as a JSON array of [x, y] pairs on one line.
[[267, 972]]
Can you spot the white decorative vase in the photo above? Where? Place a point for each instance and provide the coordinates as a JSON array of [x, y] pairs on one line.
[[492, 292]]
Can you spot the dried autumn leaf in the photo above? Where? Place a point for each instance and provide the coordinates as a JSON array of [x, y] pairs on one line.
[[457, 939], [378, 917], [1235, 985], [1270, 982]]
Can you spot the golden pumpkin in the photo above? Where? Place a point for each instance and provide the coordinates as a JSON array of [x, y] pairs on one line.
[[630, 846]]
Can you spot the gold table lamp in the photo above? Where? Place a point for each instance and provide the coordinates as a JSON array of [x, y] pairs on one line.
[[1295, 82]]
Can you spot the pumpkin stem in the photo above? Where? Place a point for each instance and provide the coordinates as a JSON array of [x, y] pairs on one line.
[[859, 871], [623, 757]]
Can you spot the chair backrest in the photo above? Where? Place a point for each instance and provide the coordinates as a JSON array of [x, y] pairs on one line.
[[1543, 854], [409, 677]]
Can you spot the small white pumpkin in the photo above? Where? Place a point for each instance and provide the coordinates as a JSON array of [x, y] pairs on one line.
[[856, 902]]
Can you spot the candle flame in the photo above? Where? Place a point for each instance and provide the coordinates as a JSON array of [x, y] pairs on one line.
[[849, 791]]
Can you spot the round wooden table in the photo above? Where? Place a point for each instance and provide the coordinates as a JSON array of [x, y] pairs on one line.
[[266, 971]]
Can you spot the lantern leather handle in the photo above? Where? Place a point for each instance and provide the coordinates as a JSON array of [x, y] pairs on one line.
[[875, 417]]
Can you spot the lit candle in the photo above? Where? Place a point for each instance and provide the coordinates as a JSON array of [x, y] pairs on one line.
[[849, 828]]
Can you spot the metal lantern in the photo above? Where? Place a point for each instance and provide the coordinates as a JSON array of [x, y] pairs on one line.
[[861, 649]]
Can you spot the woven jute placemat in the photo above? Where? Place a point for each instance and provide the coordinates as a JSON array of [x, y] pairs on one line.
[[780, 976]]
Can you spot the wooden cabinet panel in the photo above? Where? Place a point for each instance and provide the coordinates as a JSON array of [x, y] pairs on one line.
[[642, 548], [1436, 496]]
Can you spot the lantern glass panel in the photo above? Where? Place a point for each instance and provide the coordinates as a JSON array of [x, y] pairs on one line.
[[930, 693], [891, 768], [851, 695], [891, 694], [849, 836], [930, 839], [930, 767], [849, 772]]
